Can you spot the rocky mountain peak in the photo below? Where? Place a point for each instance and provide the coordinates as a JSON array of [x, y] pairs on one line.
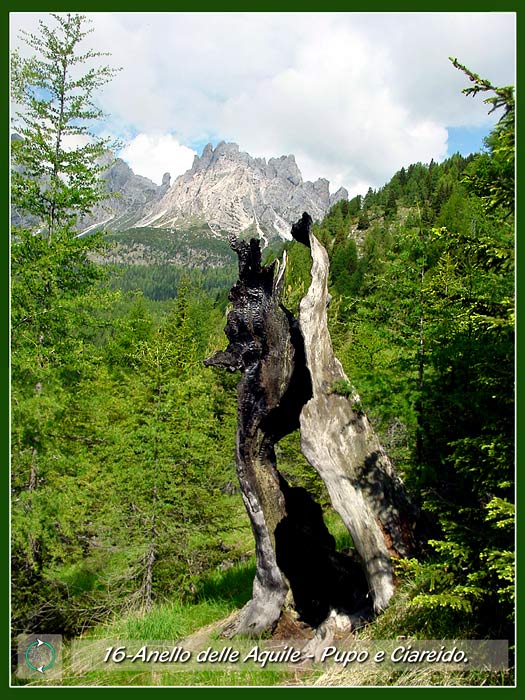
[[285, 167], [225, 187], [342, 193]]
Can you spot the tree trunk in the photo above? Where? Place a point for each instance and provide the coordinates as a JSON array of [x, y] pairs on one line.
[[288, 371], [338, 440], [260, 346]]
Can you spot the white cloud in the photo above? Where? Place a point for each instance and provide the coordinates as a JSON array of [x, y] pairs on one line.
[[152, 155], [337, 111], [71, 142], [353, 95]]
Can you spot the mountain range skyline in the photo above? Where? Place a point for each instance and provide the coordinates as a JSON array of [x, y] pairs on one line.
[[353, 95], [225, 188]]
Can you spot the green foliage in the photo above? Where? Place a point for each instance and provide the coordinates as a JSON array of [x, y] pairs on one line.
[[165, 245], [342, 387], [426, 334], [172, 257], [344, 268], [492, 176], [297, 471], [116, 500], [161, 282], [54, 181], [53, 294], [297, 274]]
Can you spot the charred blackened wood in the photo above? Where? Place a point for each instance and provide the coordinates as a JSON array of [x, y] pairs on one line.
[[301, 230], [321, 578], [261, 347]]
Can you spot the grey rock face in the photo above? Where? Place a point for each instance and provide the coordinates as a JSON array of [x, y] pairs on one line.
[[226, 188], [342, 193], [130, 196]]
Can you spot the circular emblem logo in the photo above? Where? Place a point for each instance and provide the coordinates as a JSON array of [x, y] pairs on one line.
[[40, 656]]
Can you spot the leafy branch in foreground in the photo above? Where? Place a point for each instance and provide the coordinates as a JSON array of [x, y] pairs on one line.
[[503, 96], [492, 178], [58, 159]]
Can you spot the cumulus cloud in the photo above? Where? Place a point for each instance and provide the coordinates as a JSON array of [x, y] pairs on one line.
[[152, 155], [354, 96], [337, 110]]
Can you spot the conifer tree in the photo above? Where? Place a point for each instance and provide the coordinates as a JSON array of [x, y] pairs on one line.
[[57, 160], [55, 179]]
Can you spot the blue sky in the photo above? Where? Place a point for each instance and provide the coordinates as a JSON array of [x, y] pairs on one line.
[[354, 96], [466, 139]]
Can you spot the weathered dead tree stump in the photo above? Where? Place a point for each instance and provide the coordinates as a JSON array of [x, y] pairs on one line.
[[338, 440], [288, 379]]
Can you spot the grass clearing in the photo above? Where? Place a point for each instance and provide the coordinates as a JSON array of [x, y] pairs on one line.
[[221, 592]]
